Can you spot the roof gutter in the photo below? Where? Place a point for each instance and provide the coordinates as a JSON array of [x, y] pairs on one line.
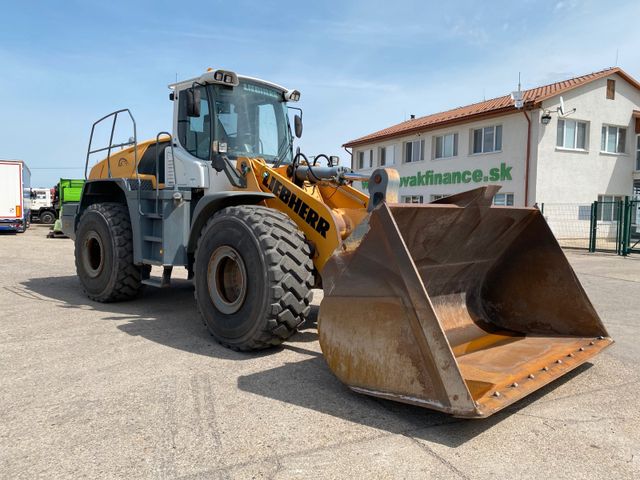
[[424, 128]]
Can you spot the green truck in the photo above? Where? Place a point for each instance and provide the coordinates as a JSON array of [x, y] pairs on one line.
[[68, 190]]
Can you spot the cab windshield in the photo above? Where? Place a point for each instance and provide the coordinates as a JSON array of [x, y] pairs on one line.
[[251, 119]]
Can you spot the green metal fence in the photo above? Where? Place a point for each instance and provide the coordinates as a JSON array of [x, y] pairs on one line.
[[606, 226], [630, 238], [599, 226], [570, 223]]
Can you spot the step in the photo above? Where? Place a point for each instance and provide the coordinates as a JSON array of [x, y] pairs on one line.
[[156, 282], [152, 261], [151, 238], [160, 282]]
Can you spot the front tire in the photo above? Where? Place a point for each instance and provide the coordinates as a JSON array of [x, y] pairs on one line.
[[253, 277], [104, 254]]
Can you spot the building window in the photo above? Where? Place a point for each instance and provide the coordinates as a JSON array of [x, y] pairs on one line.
[[503, 199], [572, 134], [438, 196], [446, 145], [608, 207], [414, 151], [365, 159], [386, 155], [613, 139], [412, 199], [638, 152], [611, 89], [487, 139]]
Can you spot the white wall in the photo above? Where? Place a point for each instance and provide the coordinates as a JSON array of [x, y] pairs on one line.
[[579, 177], [514, 141], [556, 175]]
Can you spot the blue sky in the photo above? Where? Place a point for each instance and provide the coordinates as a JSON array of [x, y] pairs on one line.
[[360, 65]]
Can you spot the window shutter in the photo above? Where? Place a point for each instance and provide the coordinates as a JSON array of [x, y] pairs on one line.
[[611, 89]]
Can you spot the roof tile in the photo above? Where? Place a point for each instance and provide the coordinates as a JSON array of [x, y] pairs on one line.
[[489, 107]]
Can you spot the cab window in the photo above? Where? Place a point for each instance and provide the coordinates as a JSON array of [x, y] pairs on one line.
[[194, 133]]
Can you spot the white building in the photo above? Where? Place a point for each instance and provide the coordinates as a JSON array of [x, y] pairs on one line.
[[537, 153]]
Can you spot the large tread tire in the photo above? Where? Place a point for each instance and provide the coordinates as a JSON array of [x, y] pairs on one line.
[[279, 271], [118, 278]]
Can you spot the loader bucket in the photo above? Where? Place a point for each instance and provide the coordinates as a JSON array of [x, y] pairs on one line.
[[456, 306]]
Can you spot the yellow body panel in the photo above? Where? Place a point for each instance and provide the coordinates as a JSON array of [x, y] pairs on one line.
[[325, 213], [123, 163]]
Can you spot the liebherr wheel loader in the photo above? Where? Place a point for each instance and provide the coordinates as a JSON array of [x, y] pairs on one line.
[[456, 305]]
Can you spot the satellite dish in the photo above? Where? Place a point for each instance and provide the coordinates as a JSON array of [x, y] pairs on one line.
[[561, 108]]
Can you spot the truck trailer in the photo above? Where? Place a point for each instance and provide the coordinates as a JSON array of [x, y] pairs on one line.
[[67, 191], [15, 196]]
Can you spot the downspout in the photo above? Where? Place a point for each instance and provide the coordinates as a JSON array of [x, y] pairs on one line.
[[526, 163], [350, 155]]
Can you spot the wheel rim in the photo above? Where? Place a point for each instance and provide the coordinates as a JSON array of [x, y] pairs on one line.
[[227, 279], [93, 254]]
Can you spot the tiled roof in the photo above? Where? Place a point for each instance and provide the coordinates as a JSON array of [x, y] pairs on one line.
[[500, 105]]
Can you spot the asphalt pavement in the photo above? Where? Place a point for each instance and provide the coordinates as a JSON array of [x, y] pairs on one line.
[[140, 390]]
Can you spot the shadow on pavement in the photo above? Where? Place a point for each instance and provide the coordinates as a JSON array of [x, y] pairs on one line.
[[166, 316], [310, 384], [169, 317]]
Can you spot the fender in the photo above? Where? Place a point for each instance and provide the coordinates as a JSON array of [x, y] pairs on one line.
[[94, 191], [208, 205]]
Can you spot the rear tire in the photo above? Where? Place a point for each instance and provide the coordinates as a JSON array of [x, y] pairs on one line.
[[253, 277], [104, 253], [47, 217]]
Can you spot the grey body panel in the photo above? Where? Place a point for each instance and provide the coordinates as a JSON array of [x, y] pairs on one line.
[[165, 230], [209, 204]]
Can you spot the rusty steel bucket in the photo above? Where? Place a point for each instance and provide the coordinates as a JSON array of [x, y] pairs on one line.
[[457, 306]]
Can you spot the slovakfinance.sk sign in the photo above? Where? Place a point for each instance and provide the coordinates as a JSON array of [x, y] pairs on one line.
[[478, 175]]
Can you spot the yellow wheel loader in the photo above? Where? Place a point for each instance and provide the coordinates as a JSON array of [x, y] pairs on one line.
[[456, 305]]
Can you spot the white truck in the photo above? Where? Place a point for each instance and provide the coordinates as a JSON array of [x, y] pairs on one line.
[[15, 196], [42, 205]]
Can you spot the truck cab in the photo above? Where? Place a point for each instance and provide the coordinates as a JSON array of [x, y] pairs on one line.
[[42, 205]]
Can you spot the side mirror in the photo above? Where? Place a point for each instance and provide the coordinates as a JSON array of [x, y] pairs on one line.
[[297, 123], [193, 102], [335, 160]]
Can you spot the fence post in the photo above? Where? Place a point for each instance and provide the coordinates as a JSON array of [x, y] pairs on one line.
[[592, 227], [619, 227], [626, 229]]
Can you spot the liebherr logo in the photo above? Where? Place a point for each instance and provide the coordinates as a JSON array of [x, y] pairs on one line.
[[291, 200]]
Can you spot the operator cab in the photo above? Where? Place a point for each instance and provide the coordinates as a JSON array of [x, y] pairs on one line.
[[222, 113]]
